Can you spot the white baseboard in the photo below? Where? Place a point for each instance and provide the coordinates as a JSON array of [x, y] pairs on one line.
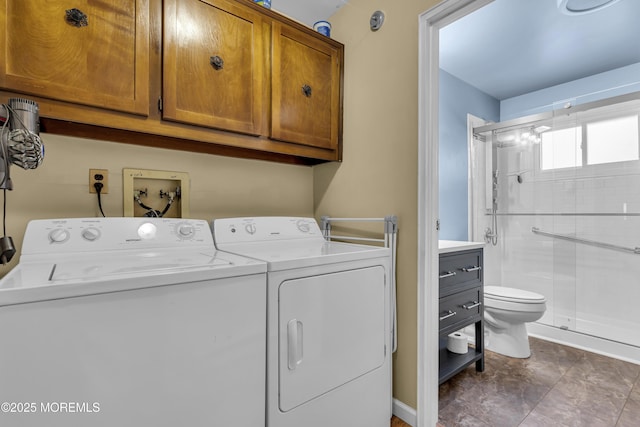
[[405, 412]]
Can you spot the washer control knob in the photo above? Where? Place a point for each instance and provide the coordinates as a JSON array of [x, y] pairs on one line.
[[303, 226], [250, 228], [90, 234], [58, 235], [186, 231], [147, 231]]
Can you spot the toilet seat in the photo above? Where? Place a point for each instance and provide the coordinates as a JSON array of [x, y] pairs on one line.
[[502, 293]]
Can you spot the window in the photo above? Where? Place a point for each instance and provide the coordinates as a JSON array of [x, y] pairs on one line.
[[594, 143], [561, 149], [613, 140]]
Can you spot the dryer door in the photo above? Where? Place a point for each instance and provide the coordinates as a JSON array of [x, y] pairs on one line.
[[331, 331]]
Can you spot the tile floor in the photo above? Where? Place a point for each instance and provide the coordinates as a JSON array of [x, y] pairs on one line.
[[557, 386]]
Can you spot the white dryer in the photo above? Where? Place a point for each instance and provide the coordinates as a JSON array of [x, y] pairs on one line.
[[131, 322], [328, 308]]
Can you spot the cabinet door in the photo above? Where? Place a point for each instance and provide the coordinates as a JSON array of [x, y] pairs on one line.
[[305, 103], [214, 63], [103, 61]]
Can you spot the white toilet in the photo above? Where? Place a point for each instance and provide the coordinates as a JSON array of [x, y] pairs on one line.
[[506, 310]]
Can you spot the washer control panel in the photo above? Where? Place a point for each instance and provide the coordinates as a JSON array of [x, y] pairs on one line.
[[263, 229], [104, 234]]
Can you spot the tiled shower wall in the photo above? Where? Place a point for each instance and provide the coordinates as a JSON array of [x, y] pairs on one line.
[[589, 289]]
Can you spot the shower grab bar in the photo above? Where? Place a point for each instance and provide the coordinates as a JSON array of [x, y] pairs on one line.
[[635, 250], [623, 214]]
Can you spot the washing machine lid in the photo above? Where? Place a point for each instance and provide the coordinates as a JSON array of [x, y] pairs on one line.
[[66, 278], [286, 242], [503, 293], [213, 264], [75, 257]]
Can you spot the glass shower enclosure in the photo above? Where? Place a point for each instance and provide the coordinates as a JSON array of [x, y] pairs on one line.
[[556, 196]]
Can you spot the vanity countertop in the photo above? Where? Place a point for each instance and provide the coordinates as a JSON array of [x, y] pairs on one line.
[[446, 246]]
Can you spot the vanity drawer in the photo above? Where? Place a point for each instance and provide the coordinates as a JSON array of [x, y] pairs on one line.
[[460, 270], [460, 307]]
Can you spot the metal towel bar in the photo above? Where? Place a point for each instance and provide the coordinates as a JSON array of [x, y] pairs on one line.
[[358, 239], [635, 250], [389, 241], [357, 219]]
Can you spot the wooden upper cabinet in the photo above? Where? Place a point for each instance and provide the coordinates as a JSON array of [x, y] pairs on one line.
[[214, 65], [99, 56], [234, 77], [305, 83]]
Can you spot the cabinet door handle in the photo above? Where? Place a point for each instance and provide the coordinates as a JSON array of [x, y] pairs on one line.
[[473, 304], [306, 89], [216, 62], [449, 314], [470, 269], [447, 274], [76, 17]]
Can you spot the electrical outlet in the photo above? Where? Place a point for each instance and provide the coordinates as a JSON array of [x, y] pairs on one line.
[[99, 175]]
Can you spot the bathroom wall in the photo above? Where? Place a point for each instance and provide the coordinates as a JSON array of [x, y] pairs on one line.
[[593, 88], [220, 186], [457, 99]]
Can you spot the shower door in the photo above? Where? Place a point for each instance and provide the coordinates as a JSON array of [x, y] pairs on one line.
[[568, 213], [505, 171], [607, 224], [557, 158]]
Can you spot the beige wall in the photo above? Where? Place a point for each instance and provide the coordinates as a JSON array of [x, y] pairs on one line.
[[220, 186], [379, 174]]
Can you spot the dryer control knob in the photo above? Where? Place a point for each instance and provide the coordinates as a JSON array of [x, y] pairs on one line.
[[250, 228], [58, 235], [303, 226], [186, 231], [90, 234]]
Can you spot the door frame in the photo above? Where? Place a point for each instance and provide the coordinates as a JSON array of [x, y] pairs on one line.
[[430, 22]]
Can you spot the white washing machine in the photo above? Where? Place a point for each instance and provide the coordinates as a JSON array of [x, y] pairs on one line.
[[329, 339], [131, 322]]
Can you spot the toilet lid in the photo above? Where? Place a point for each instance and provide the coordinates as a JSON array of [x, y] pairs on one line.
[[503, 293]]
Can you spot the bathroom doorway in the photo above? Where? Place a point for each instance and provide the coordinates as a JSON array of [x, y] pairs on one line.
[[430, 204], [430, 23]]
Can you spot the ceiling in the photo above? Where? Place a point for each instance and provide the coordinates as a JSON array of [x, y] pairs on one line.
[[512, 47], [308, 11]]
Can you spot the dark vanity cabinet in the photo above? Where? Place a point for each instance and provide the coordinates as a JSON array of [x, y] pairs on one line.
[[461, 304]]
